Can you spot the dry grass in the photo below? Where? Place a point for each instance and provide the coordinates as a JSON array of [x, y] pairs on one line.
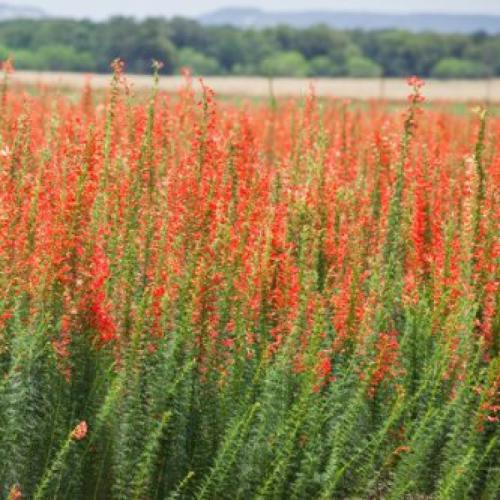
[[392, 89]]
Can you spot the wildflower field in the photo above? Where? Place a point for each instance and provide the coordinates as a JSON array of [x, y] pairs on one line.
[[285, 299]]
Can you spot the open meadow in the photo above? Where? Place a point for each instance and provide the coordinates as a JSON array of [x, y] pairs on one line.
[[277, 299], [394, 89]]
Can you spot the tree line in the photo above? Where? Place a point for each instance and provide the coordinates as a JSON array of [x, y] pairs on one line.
[[319, 51]]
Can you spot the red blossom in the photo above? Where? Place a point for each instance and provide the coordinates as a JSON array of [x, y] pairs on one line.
[[80, 431]]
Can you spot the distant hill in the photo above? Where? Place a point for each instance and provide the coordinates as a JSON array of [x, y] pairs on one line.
[[441, 23], [8, 11]]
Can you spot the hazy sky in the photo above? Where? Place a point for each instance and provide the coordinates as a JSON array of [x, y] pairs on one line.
[[104, 8]]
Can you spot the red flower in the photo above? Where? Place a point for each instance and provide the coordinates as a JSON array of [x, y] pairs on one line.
[[15, 493], [415, 82], [80, 431]]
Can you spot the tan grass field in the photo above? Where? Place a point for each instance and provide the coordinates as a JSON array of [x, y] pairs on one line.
[[351, 88]]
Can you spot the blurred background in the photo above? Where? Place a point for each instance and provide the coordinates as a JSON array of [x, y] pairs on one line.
[[358, 39], [364, 45]]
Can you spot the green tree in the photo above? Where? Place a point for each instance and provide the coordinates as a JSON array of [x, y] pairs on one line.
[[61, 57], [289, 63], [319, 41], [89, 45], [26, 59], [197, 62], [227, 46], [362, 67], [323, 66], [188, 33], [152, 42], [451, 67]]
